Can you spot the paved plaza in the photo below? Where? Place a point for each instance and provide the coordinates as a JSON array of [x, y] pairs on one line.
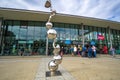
[[104, 67]]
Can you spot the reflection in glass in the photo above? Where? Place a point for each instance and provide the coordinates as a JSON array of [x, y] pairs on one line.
[[32, 35]]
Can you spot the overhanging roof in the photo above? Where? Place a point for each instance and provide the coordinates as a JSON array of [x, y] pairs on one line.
[[19, 14]]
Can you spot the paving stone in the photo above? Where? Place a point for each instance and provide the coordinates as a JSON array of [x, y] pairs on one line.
[[43, 68], [40, 78]]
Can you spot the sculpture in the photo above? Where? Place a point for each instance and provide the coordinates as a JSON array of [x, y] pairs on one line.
[[57, 59], [52, 34]]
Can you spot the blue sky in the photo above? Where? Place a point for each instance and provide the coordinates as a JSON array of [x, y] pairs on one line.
[[103, 9]]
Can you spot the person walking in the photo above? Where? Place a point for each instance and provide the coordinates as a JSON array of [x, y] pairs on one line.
[[79, 50], [94, 51], [72, 50], [83, 53], [61, 51], [112, 50], [75, 50], [22, 51], [89, 51], [105, 49]]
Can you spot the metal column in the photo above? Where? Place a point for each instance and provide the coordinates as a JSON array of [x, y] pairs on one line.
[[83, 40], [46, 45], [110, 40], [0, 31], [1, 19]]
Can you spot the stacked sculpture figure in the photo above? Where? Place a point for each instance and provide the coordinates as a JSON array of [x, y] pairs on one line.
[[52, 34], [53, 64]]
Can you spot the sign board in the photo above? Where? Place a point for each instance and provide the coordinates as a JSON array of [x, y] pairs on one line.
[[30, 42], [100, 37], [23, 42], [67, 41]]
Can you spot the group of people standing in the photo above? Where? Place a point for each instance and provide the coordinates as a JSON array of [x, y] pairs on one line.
[[90, 50], [105, 50], [86, 51]]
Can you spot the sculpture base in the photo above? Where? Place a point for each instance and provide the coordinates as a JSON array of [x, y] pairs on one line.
[[50, 74]]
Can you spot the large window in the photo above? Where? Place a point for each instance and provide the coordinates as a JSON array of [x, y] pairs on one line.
[[66, 31], [32, 36], [116, 38], [27, 34]]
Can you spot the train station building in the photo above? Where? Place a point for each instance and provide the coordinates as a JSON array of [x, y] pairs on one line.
[[26, 28]]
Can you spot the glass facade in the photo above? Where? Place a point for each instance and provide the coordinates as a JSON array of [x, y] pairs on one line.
[[32, 36]]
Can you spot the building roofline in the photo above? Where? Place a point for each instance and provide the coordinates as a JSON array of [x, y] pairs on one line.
[[66, 18], [34, 11]]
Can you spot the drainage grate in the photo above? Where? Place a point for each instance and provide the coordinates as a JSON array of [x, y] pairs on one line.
[[57, 73]]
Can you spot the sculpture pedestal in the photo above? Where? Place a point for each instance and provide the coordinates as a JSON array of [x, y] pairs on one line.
[[50, 74]]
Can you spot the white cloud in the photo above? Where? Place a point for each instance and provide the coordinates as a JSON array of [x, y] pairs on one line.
[[104, 9], [23, 4]]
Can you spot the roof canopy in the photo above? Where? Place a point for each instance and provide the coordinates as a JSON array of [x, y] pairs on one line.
[[19, 14]]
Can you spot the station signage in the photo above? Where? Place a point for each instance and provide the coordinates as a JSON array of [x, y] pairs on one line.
[[100, 37], [67, 41]]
